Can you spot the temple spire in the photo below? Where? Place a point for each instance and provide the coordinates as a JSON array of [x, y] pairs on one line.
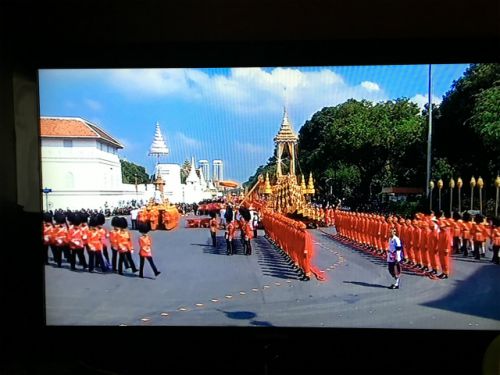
[[286, 139], [192, 177], [158, 147], [286, 132]]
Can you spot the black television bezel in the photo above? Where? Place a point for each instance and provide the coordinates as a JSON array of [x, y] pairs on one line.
[[292, 350]]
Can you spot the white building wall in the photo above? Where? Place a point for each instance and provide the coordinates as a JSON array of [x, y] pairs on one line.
[[81, 167], [86, 175], [171, 174], [97, 200]]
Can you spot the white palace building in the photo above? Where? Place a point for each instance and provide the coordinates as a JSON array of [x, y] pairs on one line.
[[81, 167]]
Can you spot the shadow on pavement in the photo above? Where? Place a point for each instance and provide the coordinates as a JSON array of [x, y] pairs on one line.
[[361, 283], [245, 315], [477, 295], [271, 262]]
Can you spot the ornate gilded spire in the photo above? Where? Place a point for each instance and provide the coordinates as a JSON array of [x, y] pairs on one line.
[[158, 147], [286, 132], [267, 189], [303, 188], [310, 184]]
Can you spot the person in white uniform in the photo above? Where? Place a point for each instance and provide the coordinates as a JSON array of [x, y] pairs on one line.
[[394, 258]]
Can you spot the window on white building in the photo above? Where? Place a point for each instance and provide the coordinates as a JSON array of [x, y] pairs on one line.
[[67, 143]]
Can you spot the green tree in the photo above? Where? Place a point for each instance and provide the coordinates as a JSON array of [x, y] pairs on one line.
[[359, 147], [467, 131], [131, 170], [185, 168]]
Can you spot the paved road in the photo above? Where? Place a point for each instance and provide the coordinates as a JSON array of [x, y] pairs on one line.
[[200, 285]]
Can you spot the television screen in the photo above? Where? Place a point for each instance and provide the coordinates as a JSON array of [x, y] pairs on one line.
[[293, 196]]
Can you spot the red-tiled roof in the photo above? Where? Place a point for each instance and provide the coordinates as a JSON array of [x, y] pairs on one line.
[[73, 127]]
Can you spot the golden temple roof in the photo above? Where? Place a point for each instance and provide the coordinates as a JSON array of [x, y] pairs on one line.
[[286, 133]]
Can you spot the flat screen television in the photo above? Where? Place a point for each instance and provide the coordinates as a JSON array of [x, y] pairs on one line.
[[204, 319]]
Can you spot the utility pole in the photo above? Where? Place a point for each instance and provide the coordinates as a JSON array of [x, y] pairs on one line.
[[429, 136]]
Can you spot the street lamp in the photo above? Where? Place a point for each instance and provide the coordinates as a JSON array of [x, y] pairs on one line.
[[472, 185], [460, 183], [480, 185], [451, 185], [431, 187], [440, 186], [46, 191]]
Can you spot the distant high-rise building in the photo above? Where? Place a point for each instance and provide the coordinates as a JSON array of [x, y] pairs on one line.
[[205, 169], [218, 170]]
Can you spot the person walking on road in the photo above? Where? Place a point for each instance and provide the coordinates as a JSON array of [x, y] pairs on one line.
[[145, 250], [394, 257], [213, 228], [125, 247]]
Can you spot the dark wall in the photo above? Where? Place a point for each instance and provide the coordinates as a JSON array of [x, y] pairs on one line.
[[37, 34]]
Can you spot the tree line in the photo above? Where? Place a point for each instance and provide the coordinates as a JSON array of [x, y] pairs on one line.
[[356, 148]]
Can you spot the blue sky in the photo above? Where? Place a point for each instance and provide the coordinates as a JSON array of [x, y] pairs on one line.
[[229, 114]]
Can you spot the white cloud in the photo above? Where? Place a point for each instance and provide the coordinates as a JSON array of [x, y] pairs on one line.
[[247, 90], [186, 141], [422, 100], [93, 104], [370, 86], [251, 148], [153, 82]]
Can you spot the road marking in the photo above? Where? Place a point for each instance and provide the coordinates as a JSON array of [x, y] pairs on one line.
[[182, 309], [199, 304], [266, 286], [255, 290], [122, 325], [229, 296], [214, 300], [145, 319], [277, 284], [242, 293], [164, 314]]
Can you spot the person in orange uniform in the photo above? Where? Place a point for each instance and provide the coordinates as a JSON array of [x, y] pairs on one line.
[[230, 230], [486, 228], [75, 242], [416, 239], [85, 231], [444, 246], [125, 247], [104, 235], [247, 230], [478, 237], [145, 250], [466, 234], [113, 241], [432, 247], [495, 240], [95, 245], [47, 237], [213, 228], [59, 238]]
